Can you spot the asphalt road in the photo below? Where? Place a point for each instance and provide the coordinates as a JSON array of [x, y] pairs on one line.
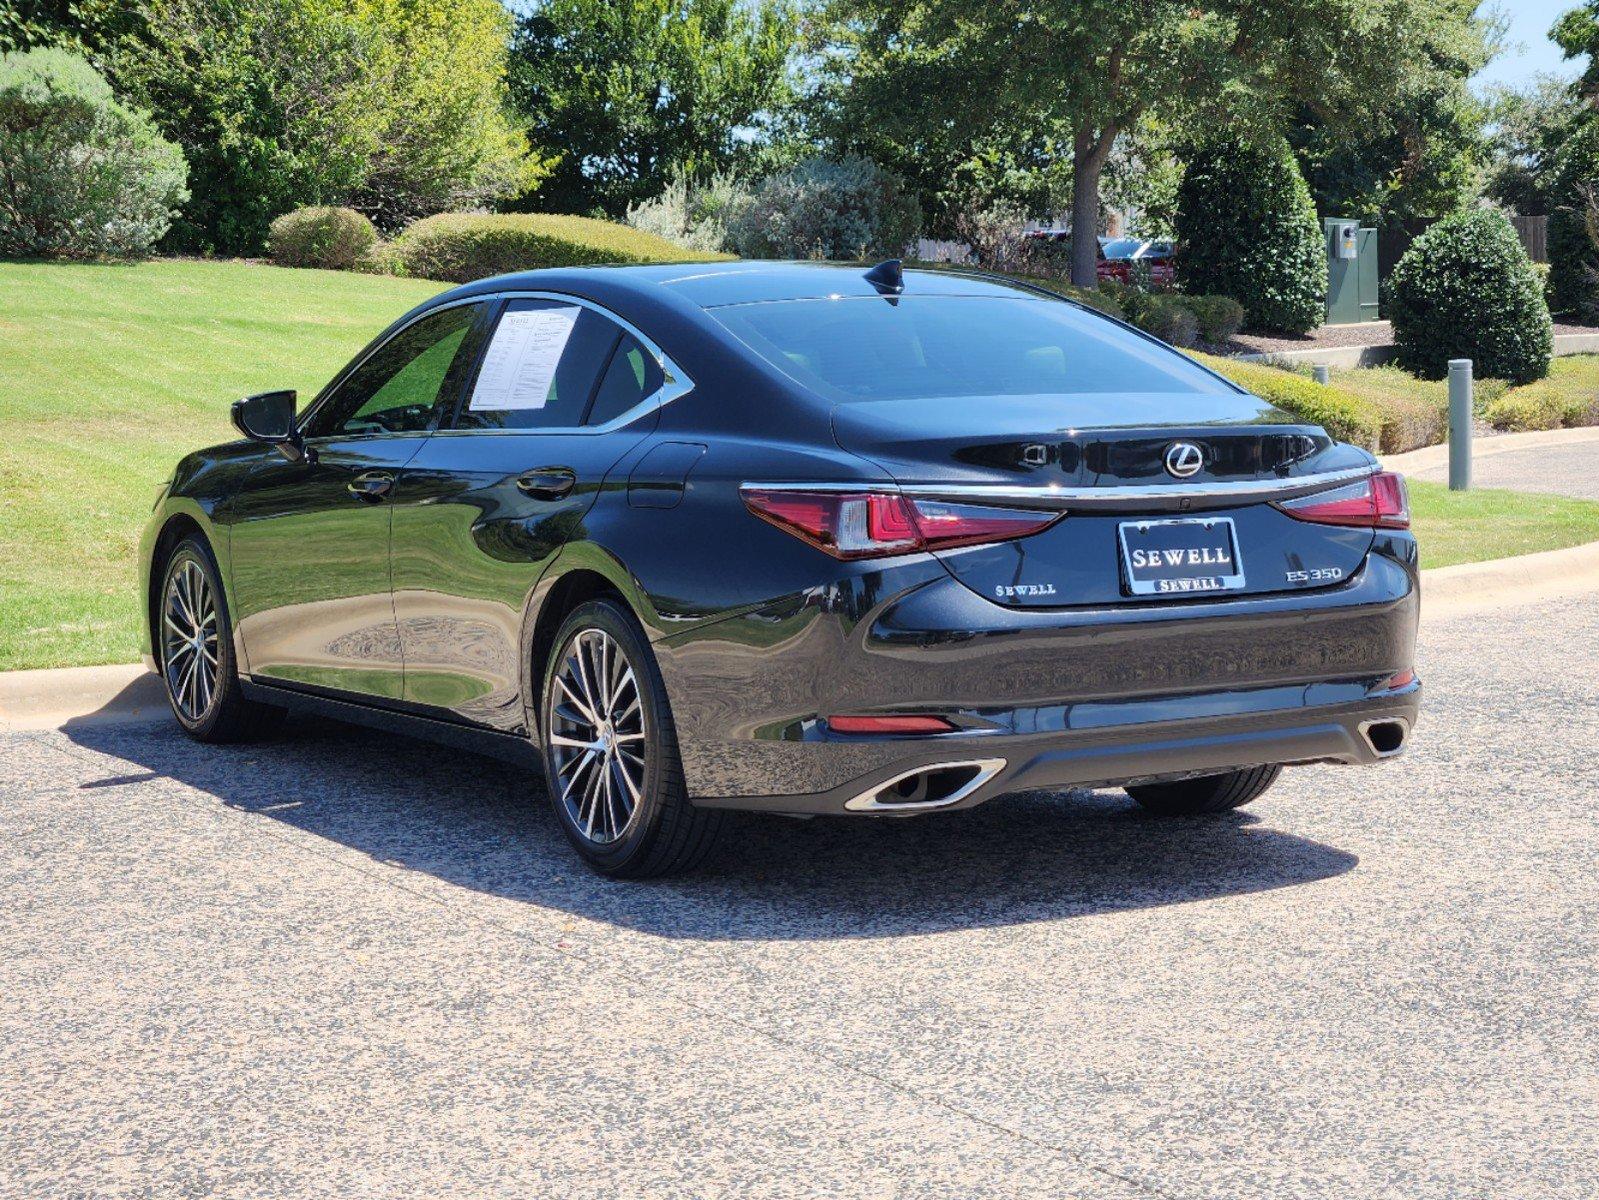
[[344, 965], [1558, 470]]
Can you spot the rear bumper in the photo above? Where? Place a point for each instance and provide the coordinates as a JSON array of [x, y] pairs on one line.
[[1065, 697], [1117, 755]]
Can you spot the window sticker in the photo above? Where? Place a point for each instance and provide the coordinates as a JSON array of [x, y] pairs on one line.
[[519, 367]]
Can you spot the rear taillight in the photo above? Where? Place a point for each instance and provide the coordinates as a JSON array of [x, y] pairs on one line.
[[872, 524], [1376, 502]]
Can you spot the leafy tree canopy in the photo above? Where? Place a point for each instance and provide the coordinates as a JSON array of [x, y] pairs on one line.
[[394, 107], [1067, 81], [639, 93], [1528, 127]]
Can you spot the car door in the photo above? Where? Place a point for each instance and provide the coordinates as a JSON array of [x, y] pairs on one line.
[[309, 540], [564, 390]]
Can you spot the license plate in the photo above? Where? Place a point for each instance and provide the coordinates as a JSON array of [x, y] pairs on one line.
[[1180, 557]]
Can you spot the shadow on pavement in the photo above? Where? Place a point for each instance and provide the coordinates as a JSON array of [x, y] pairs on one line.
[[477, 823]]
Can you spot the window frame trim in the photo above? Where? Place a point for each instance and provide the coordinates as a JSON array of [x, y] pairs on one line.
[[330, 389]]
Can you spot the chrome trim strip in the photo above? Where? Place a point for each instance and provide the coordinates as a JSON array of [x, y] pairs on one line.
[[1111, 496], [987, 768]]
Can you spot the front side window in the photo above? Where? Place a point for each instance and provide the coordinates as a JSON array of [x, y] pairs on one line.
[[399, 387], [542, 367], [855, 349]]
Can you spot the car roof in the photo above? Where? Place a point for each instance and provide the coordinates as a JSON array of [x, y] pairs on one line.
[[711, 284]]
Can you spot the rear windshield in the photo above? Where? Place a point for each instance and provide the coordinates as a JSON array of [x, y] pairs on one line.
[[867, 348]]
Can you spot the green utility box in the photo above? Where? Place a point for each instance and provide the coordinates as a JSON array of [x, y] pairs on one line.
[[1351, 272]]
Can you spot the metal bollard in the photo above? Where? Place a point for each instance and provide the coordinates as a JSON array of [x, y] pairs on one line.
[[1320, 374], [1459, 424]]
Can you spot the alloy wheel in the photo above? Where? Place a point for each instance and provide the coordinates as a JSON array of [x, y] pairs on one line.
[[598, 743], [189, 645]]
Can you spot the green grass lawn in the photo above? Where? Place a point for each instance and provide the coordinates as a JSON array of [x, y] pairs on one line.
[[108, 375], [1462, 527]]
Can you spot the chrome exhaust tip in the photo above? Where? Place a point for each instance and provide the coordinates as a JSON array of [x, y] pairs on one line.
[[1386, 737], [922, 788]]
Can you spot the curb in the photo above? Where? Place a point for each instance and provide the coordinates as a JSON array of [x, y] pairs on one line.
[[130, 694], [1505, 582], [1429, 457], [51, 698]]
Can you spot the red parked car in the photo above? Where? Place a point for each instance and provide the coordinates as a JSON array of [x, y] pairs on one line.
[[1124, 259]]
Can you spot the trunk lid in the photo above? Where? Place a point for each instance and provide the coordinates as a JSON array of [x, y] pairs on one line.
[[1113, 482]]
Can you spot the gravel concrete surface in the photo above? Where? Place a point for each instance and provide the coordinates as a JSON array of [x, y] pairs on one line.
[[348, 965]]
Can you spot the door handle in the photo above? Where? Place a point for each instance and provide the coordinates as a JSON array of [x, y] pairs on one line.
[[371, 487], [548, 483]]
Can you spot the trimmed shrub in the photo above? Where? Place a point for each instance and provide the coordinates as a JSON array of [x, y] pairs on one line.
[[1573, 255], [336, 238], [1246, 228], [460, 247], [1219, 317], [1347, 418], [1173, 317], [1165, 316], [83, 175], [1466, 289], [826, 209], [1566, 398]]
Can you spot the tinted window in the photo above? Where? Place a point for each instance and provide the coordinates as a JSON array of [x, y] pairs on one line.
[[632, 376], [857, 348], [540, 368], [397, 388]]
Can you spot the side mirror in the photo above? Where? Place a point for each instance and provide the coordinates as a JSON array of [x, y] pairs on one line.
[[268, 417]]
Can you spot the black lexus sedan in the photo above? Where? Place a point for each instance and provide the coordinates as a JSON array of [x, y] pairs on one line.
[[792, 537]]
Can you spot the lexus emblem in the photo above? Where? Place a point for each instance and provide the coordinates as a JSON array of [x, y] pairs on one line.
[[1183, 459]]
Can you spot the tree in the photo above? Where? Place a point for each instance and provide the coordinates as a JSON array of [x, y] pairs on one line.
[[1576, 32], [636, 94], [1528, 127], [1076, 78], [395, 107]]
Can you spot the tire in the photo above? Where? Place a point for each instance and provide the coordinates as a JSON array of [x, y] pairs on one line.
[[611, 761], [1205, 795], [201, 676]]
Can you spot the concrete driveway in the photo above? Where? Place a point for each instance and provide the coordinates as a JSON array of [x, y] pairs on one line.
[[348, 965]]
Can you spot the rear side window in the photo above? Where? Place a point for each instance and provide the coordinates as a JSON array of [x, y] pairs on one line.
[[855, 349], [541, 368], [632, 376], [400, 384]]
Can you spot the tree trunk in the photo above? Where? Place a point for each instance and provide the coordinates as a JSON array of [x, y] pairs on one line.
[[1089, 153]]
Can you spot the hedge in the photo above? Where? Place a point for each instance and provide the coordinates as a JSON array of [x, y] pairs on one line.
[[461, 247], [1568, 397], [1346, 417]]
